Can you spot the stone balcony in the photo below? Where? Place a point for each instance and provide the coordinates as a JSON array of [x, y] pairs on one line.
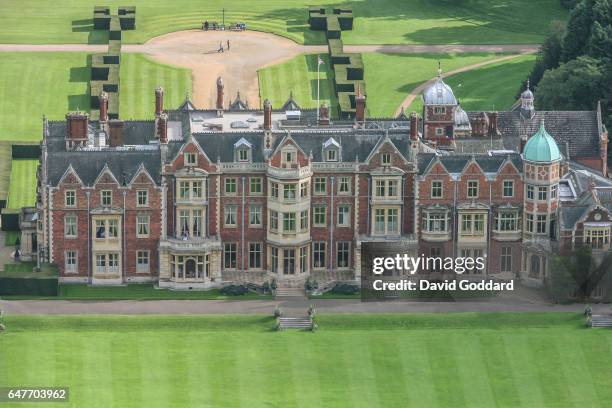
[[292, 173], [190, 244]]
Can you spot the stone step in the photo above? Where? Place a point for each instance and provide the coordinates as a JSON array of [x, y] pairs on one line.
[[301, 323], [601, 321], [290, 292]]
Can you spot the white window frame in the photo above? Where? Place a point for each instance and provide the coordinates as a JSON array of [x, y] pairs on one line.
[[70, 198], [141, 255], [71, 268], [143, 225]]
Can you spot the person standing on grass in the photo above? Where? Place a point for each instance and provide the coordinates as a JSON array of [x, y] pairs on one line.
[[228, 45]]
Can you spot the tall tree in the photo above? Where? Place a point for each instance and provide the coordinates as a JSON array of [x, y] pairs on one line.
[[575, 85]]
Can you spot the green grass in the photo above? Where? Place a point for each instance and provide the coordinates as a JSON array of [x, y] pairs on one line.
[[298, 75], [22, 191], [427, 360], [491, 87], [5, 167], [10, 237], [139, 78], [377, 21], [34, 84], [136, 292], [26, 270], [391, 77]]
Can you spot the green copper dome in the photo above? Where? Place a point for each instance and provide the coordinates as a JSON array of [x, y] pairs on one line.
[[541, 147]]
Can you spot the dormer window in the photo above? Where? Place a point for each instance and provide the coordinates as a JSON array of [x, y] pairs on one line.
[[332, 155], [242, 150], [385, 159], [439, 110], [191, 159], [331, 150], [289, 157]]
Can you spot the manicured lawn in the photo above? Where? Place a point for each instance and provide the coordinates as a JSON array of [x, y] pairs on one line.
[[5, 167], [33, 84], [377, 21], [491, 87], [10, 237], [26, 270], [139, 78], [425, 360], [37, 84], [298, 75], [22, 191], [391, 77], [138, 292]]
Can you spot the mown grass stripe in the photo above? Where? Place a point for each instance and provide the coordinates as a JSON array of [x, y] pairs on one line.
[[525, 374], [472, 369], [445, 372]]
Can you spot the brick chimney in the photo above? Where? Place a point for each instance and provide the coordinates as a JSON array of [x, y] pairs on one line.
[[162, 128], [77, 128], [414, 126], [159, 100], [493, 124], [103, 106], [324, 114], [522, 143], [220, 93], [360, 105], [267, 125], [115, 132]]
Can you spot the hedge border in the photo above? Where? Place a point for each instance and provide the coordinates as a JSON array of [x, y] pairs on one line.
[[348, 67]]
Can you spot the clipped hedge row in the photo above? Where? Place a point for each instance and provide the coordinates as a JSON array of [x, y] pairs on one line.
[[28, 286], [10, 219], [25, 151], [348, 67], [105, 67]]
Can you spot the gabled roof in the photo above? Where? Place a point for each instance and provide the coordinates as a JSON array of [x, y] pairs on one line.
[[290, 104], [456, 163], [186, 105], [238, 104]]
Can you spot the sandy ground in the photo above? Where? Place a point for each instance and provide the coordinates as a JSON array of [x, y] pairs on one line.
[[197, 50]]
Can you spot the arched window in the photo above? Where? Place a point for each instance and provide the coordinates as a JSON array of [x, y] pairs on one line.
[[190, 268]]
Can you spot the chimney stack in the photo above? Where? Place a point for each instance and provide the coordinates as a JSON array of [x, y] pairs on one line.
[[324, 114], [414, 126], [162, 128], [522, 143], [159, 100], [360, 105], [77, 128], [493, 124], [103, 107], [219, 93], [267, 125], [115, 133]]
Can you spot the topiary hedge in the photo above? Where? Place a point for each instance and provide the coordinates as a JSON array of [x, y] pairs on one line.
[[345, 289], [234, 290], [28, 286]]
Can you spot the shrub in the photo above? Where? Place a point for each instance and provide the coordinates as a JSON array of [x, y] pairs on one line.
[[311, 284], [278, 312], [345, 289], [234, 290]]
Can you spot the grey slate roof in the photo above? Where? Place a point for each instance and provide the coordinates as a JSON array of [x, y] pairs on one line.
[[124, 164], [571, 215], [456, 163], [580, 129]]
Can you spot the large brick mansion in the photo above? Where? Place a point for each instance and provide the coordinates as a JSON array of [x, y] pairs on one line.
[[198, 197]]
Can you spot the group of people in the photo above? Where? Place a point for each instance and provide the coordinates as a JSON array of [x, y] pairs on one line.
[[214, 26]]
